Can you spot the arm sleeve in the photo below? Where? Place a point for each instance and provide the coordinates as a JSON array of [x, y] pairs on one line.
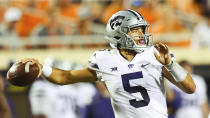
[[93, 64]]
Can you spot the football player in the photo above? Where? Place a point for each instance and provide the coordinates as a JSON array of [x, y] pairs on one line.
[[132, 72]]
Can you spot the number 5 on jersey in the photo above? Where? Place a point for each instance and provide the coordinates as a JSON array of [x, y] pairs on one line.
[[126, 85]]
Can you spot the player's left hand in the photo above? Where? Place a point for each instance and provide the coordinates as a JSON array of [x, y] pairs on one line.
[[33, 61], [164, 56]]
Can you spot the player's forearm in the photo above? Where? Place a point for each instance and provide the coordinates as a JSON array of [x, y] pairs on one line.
[[63, 77], [60, 77], [205, 109], [181, 77], [187, 85]]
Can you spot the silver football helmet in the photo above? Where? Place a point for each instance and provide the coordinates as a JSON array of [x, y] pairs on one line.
[[120, 24]]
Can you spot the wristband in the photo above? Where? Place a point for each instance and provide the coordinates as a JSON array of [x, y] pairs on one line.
[[177, 71], [46, 70]]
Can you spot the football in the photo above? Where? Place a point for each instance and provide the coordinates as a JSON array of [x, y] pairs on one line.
[[22, 74]]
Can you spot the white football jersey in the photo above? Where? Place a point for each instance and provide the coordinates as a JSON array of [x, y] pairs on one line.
[[191, 103], [136, 87], [52, 100], [57, 101]]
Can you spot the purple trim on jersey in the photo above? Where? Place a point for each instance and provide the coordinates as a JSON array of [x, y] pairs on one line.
[[93, 65], [172, 55]]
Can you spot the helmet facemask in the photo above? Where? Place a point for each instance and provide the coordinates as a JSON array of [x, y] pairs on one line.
[[136, 42]]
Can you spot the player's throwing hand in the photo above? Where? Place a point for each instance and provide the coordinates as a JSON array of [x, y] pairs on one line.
[[33, 61]]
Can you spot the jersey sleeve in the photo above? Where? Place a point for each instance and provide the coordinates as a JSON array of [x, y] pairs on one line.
[[94, 65], [92, 62]]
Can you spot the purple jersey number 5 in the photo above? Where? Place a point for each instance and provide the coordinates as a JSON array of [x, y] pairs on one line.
[[135, 89]]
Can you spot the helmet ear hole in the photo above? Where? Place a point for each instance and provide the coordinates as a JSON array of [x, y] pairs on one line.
[[144, 29], [147, 41], [118, 45]]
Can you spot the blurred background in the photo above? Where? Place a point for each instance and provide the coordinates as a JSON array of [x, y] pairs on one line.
[[71, 30]]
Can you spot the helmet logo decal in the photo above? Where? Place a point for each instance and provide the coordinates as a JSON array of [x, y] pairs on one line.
[[116, 21]]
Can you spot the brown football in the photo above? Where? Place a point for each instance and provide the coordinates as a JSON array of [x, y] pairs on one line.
[[22, 74]]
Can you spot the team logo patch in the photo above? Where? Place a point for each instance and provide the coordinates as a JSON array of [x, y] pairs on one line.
[[144, 65], [116, 21], [130, 66]]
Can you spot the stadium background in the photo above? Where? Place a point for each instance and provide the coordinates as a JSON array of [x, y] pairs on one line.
[[71, 30]]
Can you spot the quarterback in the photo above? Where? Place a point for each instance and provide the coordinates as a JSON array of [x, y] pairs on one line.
[[133, 71]]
